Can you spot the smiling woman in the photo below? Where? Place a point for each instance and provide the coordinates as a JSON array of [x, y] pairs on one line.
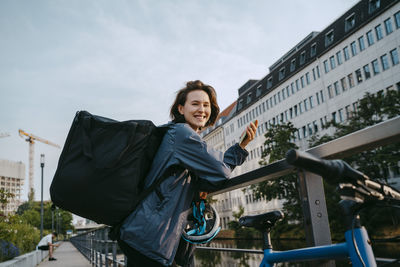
[[151, 235]]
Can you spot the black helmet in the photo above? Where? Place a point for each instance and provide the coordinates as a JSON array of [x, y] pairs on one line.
[[203, 224]]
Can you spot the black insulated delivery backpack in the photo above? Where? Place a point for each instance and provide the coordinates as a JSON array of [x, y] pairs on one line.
[[103, 165]]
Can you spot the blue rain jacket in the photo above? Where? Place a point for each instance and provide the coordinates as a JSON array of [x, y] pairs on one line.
[[155, 227]]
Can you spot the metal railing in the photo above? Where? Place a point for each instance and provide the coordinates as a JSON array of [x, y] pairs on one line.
[[98, 248], [95, 244]]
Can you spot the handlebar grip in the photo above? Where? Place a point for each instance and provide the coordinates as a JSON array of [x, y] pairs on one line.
[[333, 171]]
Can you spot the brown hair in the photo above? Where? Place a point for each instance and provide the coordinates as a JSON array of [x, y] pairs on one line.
[[181, 99]]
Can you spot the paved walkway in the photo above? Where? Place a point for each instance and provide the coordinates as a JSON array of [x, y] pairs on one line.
[[67, 256]]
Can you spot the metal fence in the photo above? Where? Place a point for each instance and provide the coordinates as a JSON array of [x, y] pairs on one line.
[[95, 245]]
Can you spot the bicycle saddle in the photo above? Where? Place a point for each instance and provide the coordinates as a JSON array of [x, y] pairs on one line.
[[262, 221]]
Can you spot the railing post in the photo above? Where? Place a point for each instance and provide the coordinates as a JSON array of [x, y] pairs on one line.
[[114, 253], [101, 244], [106, 245], [316, 222]]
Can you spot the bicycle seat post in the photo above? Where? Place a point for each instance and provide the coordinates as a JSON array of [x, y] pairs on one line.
[[267, 239]]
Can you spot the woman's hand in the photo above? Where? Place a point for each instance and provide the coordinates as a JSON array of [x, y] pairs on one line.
[[249, 134]]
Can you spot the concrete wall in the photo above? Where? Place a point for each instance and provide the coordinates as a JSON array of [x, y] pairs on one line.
[[12, 169], [30, 259]]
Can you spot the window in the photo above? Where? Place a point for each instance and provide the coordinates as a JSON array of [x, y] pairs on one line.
[[353, 49], [385, 62], [373, 5], [283, 94], [317, 95], [248, 98], [346, 53], [282, 73], [378, 31], [302, 57], [297, 85], [307, 77], [351, 80], [275, 100], [304, 131], [315, 125], [397, 19], [334, 116], [310, 129], [269, 83], [332, 61], [336, 86], [348, 111], [350, 22], [367, 72], [313, 74], [330, 93], [370, 38], [321, 93], [240, 105], [292, 88], [279, 97], [329, 38], [302, 81], [388, 26], [361, 43], [301, 107], [287, 91], [311, 99], [318, 74], [326, 66], [340, 112], [358, 76], [339, 57], [375, 67], [355, 107], [305, 104], [313, 51], [344, 84], [293, 65], [258, 90], [395, 56]]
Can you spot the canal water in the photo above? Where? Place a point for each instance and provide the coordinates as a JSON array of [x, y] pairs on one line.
[[205, 258]]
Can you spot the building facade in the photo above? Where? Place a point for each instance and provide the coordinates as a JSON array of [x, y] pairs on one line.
[[12, 178], [322, 78]]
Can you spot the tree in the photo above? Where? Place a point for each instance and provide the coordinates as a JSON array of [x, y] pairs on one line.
[[372, 109], [30, 211], [5, 196], [279, 139]]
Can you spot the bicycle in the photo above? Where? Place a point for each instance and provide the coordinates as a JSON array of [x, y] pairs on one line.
[[356, 190]]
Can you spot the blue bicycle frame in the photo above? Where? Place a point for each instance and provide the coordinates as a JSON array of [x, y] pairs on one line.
[[334, 251]]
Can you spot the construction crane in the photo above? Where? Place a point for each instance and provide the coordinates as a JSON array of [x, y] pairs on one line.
[[30, 138], [4, 135]]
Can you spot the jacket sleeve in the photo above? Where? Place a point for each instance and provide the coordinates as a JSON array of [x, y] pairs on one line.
[[212, 168]]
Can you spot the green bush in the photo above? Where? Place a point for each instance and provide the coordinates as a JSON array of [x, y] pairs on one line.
[[16, 230]]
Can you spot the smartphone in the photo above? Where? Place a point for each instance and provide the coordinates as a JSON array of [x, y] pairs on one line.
[[244, 135]]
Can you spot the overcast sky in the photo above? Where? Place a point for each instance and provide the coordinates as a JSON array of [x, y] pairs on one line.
[[126, 59]]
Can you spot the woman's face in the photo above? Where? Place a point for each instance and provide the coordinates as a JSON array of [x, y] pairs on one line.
[[197, 109]]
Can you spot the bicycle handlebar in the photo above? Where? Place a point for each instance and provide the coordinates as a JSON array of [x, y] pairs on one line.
[[338, 171], [333, 171]]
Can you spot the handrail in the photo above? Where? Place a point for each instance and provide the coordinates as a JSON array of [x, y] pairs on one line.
[[95, 245], [368, 138]]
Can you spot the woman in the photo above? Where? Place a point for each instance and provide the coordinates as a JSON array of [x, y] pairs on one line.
[[151, 234]]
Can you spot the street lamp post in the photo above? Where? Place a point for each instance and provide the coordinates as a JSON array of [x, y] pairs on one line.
[[53, 207], [41, 198]]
